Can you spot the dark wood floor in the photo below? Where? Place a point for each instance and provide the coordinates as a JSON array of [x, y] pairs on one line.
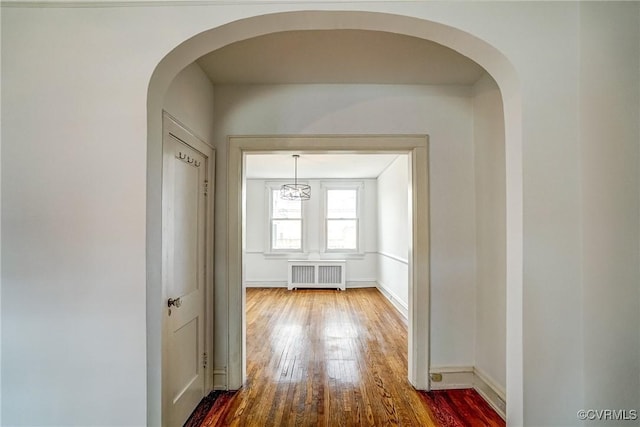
[[330, 358]]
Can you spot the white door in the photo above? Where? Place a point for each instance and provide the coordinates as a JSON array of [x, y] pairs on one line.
[[187, 164]]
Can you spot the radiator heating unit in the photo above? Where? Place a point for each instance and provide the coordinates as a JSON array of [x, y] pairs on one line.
[[317, 274]]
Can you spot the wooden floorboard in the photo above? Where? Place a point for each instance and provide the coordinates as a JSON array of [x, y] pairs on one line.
[[331, 358]]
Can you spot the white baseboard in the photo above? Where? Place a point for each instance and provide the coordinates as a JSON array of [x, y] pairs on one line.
[[265, 284], [491, 392], [355, 284], [400, 305], [351, 284], [456, 377], [452, 377], [220, 379]]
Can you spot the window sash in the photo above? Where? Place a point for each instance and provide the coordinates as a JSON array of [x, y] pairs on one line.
[[280, 208], [289, 237], [341, 225], [284, 235], [348, 227], [339, 212]]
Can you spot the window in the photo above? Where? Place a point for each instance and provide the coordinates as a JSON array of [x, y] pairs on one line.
[[341, 216], [286, 223]]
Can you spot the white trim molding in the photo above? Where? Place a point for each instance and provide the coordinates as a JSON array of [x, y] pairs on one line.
[[457, 377], [453, 377], [490, 391], [265, 284], [350, 284], [358, 284], [220, 379], [395, 300], [417, 147], [393, 257]]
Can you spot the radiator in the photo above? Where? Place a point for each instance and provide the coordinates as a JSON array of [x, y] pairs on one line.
[[316, 274]]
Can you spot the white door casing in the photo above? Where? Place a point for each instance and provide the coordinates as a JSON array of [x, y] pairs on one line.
[[417, 147], [187, 168]]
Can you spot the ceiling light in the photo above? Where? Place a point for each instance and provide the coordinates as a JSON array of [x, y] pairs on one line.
[[295, 191]]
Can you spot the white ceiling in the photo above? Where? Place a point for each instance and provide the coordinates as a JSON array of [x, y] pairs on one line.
[[326, 166], [338, 56], [334, 57]]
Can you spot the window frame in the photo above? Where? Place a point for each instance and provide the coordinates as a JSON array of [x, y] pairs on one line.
[[358, 186], [270, 189]]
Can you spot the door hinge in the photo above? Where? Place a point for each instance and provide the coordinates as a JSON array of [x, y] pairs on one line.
[[204, 360], [205, 187]]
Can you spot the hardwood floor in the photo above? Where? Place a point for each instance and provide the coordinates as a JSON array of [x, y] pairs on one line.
[[330, 358]]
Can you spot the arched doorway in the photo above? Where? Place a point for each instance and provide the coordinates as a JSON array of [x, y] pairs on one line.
[[466, 44]]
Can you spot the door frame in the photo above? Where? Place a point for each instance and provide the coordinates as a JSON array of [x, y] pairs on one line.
[[171, 125], [417, 147]]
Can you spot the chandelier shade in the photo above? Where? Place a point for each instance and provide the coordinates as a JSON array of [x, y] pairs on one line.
[[295, 191]]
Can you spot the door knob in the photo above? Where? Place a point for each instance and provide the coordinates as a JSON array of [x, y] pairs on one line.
[[174, 302]]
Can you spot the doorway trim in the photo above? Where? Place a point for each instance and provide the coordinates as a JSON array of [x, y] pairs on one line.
[[417, 147]]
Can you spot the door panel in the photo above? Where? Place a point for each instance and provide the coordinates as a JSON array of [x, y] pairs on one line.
[[187, 241], [185, 363], [187, 165]]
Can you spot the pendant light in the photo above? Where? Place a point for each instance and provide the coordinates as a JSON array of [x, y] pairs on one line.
[[295, 191]]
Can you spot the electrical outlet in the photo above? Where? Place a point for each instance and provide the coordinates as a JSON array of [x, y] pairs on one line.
[[436, 378]]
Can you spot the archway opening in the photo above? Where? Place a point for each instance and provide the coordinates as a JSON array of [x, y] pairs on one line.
[[192, 49]]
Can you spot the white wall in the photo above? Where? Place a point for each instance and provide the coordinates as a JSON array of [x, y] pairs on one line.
[[552, 320], [491, 316], [74, 112], [444, 113], [59, 349], [0, 225], [393, 233], [190, 100], [264, 270], [610, 137], [73, 220]]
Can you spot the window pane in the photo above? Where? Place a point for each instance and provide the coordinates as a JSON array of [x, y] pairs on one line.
[[285, 208], [342, 203], [342, 234], [286, 234]]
